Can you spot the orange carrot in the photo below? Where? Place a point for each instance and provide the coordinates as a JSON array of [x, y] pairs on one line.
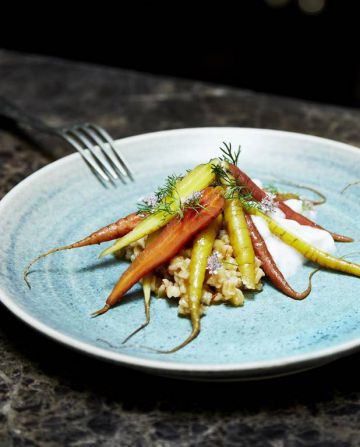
[[113, 231], [259, 194], [171, 239], [269, 266]]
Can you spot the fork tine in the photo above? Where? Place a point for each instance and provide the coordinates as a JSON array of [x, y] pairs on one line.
[[91, 133], [102, 132], [84, 154], [77, 131]]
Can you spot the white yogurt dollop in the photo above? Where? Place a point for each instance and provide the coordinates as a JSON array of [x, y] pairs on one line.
[[287, 258]]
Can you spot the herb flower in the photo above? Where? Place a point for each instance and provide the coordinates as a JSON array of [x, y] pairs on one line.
[[213, 263], [192, 198], [268, 203]]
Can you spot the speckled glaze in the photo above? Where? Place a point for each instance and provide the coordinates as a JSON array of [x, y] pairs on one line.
[[270, 335]]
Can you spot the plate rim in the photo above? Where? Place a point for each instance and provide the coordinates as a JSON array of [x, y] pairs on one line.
[[247, 369]]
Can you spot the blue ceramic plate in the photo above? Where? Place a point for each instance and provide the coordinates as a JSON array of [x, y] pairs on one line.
[[269, 335]]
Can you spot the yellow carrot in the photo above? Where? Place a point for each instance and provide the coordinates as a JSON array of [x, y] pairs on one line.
[[202, 248], [241, 242], [307, 250], [196, 180], [146, 286]]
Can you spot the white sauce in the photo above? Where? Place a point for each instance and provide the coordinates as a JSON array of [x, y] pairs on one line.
[[287, 258]]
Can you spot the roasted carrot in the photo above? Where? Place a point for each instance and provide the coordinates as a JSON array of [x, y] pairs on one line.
[[201, 250], [194, 181], [307, 250], [241, 242], [171, 239], [269, 266], [259, 194], [112, 231]]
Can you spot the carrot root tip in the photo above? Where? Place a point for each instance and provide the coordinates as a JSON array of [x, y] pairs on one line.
[[25, 277], [136, 331], [346, 239], [101, 311]]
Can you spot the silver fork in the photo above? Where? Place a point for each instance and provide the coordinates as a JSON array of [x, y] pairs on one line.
[[106, 162]]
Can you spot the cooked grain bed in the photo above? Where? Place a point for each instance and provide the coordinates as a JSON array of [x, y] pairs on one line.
[[224, 285]]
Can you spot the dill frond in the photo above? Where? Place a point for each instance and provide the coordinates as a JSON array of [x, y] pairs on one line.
[[144, 208], [230, 155], [168, 188], [234, 190], [193, 202], [162, 199], [221, 174]]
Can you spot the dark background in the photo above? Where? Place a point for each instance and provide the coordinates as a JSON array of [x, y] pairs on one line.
[[300, 48]]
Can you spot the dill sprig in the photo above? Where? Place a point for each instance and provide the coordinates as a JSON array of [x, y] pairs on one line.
[[162, 199], [230, 155], [246, 199], [233, 190], [193, 202], [168, 188], [221, 174]]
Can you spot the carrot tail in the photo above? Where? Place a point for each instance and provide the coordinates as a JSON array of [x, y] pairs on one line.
[[43, 255], [190, 338], [147, 297], [101, 311], [269, 266], [285, 196], [136, 331], [104, 234]]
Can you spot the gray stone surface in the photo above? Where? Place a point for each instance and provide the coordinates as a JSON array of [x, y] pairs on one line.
[[50, 395]]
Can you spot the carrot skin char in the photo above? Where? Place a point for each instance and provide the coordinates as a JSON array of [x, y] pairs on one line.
[[259, 195], [269, 266], [171, 239]]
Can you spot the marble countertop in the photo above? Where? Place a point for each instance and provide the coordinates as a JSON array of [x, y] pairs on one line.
[[50, 395]]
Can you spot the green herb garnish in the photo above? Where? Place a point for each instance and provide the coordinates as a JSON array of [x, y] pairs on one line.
[[162, 198], [233, 190], [229, 155], [165, 196]]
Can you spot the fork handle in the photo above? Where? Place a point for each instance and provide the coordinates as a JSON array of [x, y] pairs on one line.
[[23, 119]]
